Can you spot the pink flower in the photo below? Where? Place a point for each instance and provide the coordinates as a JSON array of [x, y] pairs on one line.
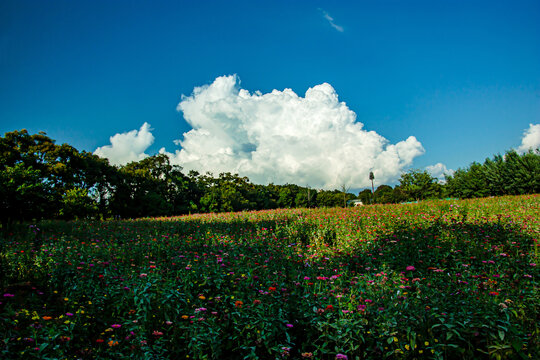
[[341, 356], [410, 268], [116, 326]]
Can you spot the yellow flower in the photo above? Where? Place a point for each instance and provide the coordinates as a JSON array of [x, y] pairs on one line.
[[426, 343], [407, 347]]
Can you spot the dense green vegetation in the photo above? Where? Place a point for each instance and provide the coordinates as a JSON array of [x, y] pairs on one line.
[[437, 280], [40, 179]]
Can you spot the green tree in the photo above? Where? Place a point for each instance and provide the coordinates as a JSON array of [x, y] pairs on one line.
[[383, 194], [365, 196], [419, 185], [23, 194], [76, 203]]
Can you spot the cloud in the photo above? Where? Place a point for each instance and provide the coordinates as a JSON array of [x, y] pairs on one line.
[[531, 138], [438, 170], [331, 21], [128, 146], [281, 137]]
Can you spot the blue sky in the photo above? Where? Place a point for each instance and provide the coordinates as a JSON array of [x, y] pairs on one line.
[[462, 77]]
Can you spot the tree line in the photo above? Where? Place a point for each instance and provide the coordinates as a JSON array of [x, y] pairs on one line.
[[40, 179]]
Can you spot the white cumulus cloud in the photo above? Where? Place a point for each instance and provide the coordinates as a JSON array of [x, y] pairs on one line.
[[438, 171], [531, 138], [281, 137], [128, 146]]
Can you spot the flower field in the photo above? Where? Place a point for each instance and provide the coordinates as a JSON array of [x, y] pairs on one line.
[[437, 280]]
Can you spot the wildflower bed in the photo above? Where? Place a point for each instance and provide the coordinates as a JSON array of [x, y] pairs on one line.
[[439, 279]]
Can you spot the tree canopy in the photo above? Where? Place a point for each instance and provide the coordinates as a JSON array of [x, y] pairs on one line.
[[41, 179]]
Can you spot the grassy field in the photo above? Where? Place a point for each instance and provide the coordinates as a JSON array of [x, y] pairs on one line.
[[438, 279]]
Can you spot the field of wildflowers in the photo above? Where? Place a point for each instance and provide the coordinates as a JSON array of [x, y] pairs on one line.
[[434, 280]]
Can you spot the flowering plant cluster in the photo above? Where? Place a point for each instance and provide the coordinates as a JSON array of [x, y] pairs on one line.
[[386, 281]]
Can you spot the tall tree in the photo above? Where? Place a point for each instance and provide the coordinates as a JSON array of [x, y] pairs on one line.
[[419, 185], [372, 177]]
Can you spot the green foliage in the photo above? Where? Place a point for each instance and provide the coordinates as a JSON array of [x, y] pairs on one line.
[[23, 193], [419, 185], [366, 196], [383, 194], [40, 179], [77, 204], [511, 174]]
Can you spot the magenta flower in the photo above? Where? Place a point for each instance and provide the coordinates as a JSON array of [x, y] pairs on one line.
[[341, 356], [410, 268], [116, 326]]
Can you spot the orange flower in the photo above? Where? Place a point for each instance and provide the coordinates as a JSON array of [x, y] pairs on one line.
[[185, 317], [238, 304], [112, 343], [47, 317]]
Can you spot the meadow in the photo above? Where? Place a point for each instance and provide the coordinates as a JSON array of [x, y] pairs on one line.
[[435, 280]]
